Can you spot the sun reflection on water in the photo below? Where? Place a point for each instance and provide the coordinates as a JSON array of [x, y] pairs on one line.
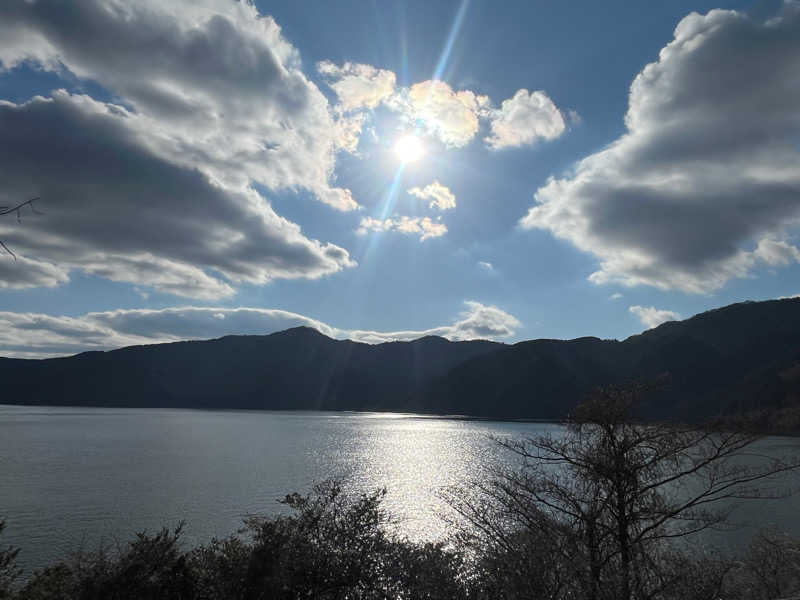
[[415, 458]]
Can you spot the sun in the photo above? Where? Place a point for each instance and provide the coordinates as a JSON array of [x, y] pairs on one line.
[[409, 148]]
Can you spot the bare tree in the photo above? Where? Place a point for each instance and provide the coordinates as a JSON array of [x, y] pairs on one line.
[[606, 496], [7, 210], [770, 569]]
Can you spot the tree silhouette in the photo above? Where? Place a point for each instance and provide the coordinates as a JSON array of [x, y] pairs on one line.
[[601, 502]]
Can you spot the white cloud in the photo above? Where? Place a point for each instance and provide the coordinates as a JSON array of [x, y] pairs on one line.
[[424, 226], [214, 84], [449, 115], [777, 253], [707, 169], [650, 316], [31, 335], [154, 188], [524, 119], [476, 321], [358, 85], [349, 129], [615, 296], [452, 116], [358, 88], [440, 195], [487, 266]]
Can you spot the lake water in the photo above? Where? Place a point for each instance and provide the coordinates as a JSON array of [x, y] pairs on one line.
[[71, 478]]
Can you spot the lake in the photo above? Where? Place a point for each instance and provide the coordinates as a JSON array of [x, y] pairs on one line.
[[71, 478]]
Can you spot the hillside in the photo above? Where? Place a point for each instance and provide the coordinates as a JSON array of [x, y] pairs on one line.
[[294, 369], [738, 358]]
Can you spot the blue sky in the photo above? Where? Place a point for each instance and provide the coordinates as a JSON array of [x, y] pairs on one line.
[[217, 167]]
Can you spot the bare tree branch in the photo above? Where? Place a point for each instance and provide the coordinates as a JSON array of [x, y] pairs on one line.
[[6, 210], [610, 493]]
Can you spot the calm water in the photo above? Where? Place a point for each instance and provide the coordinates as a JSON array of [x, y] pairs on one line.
[[71, 478]]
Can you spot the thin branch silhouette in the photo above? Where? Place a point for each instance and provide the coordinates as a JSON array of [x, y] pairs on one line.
[[7, 210]]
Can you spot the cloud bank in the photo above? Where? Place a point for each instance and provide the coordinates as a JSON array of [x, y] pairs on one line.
[[704, 186], [31, 335]]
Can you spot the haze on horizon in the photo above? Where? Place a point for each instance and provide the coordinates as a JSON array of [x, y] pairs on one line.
[[394, 170]]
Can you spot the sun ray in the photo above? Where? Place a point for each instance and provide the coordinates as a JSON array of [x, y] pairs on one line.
[[451, 38]]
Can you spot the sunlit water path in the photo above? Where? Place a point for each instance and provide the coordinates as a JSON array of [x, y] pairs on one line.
[[71, 478]]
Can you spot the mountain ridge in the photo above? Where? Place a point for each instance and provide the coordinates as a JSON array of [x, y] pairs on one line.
[[741, 357]]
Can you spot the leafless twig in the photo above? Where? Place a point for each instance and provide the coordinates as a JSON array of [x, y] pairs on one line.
[[7, 210]]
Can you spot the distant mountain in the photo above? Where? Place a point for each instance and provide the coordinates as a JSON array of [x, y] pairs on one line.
[[735, 359], [742, 357], [298, 368]]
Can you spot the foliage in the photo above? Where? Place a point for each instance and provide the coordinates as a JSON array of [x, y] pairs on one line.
[[332, 546], [149, 568], [771, 569], [335, 547], [600, 506], [8, 569]]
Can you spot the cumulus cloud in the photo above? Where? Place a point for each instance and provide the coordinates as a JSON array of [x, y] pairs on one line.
[[425, 227], [707, 170], [777, 252], [358, 88], [216, 83], [358, 85], [452, 116], [154, 188], [32, 335], [449, 115], [116, 209], [650, 316], [524, 119], [348, 132], [440, 195]]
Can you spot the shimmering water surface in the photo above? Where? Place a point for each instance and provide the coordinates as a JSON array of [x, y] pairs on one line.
[[71, 478]]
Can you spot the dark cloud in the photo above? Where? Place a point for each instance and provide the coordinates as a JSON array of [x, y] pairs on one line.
[[222, 88], [24, 273], [115, 208], [707, 171]]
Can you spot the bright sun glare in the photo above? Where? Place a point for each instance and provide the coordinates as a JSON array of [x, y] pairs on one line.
[[409, 148]]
